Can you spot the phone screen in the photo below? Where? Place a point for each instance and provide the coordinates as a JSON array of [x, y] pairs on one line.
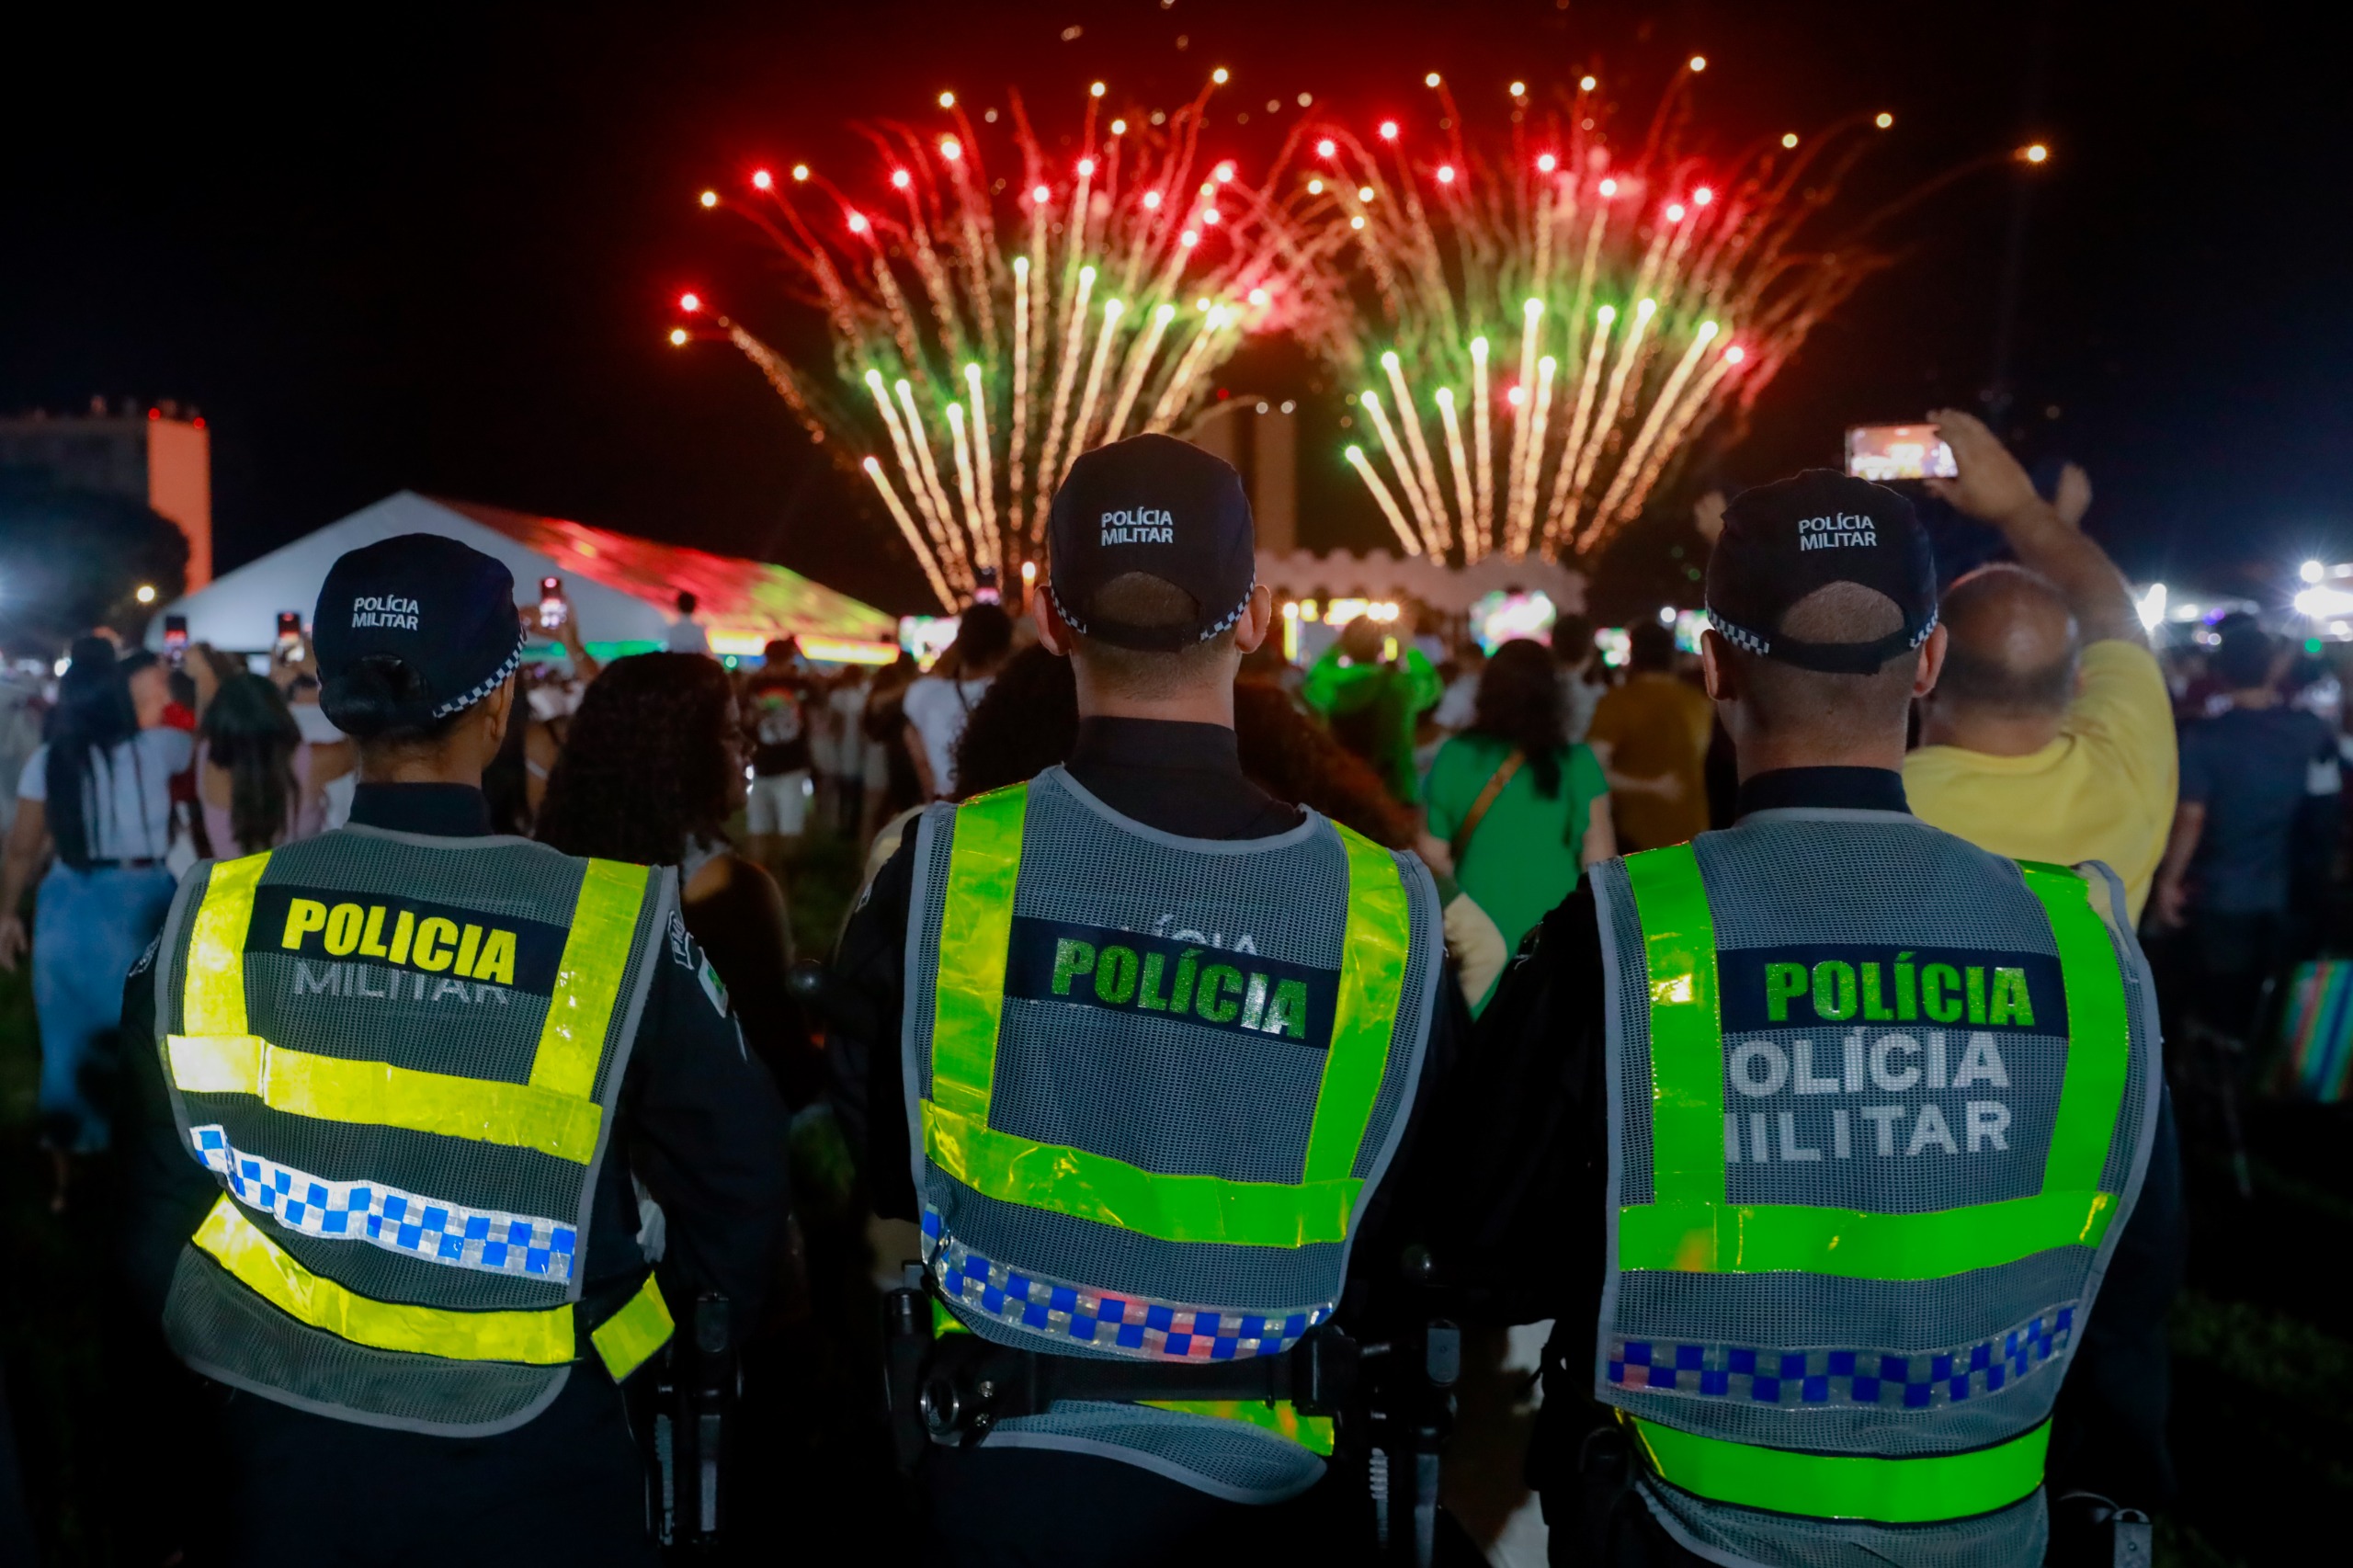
[[554, 608], [290, 633], [1881, 452]]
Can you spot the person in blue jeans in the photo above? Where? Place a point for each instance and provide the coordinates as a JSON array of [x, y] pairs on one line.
[[97, 794]]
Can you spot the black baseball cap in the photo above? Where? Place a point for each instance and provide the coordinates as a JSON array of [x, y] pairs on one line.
[[1782, 541], [444, 610], [1155, 504]]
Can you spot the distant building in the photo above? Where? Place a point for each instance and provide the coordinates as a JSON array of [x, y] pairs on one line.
[[1260, 436], [160, 455]]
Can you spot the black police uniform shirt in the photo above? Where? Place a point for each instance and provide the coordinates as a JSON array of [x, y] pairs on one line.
[[1508, 1184], [1179, 778], [699, 1123]]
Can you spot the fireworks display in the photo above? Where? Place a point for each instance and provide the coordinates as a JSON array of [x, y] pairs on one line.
[[995, 310], [1539, 330]]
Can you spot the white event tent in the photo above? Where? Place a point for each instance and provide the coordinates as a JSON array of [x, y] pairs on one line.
[[623, 590]]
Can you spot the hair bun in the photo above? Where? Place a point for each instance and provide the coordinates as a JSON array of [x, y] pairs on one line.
[[376, 693]]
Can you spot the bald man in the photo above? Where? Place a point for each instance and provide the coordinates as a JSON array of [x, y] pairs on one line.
[[2050, 736]]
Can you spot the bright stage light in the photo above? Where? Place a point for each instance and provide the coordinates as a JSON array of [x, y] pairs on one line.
[[901, 178], [2311, 571], [1586, 83], [1325, 148], [1546, 163], [1445, 174], [2036, 154], [690, 302], [1219, 75], [1520, 89], [1095, 90], [947, 100], [147, 594], [710, 199], [1884, 120], [799, 171], [1431, 80], [762, 179], [677, 337], [1389, 130], [1699, 63], [1789, 139]]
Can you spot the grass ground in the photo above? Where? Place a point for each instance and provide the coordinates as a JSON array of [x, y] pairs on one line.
[[2262, 1332]]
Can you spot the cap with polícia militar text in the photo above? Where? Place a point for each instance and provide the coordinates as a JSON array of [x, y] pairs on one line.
[[1158, 506], [443, 610], [1785, 541]]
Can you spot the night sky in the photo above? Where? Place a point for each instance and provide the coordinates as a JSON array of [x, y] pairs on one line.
[[436, 247]]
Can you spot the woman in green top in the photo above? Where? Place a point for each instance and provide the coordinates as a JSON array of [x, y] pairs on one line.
[[1547, 811]]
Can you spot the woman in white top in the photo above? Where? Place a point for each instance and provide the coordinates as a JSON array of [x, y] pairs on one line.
[[937, 706], [98, 792]]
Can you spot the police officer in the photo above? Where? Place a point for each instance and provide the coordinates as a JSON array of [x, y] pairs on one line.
[[1850, 1117], [444, 1131], [1144, 1041]]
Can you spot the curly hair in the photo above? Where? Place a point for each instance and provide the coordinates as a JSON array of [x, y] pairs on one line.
[[1293, 758], [1024, 722], [646, 761], [1521, 704]]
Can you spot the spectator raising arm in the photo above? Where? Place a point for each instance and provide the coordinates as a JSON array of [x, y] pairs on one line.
[[1991, 487]]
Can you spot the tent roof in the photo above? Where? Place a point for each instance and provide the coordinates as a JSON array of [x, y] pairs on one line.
[[733, 593], [622, 588]]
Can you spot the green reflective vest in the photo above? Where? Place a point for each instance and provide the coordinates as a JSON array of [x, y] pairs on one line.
[[1879, 1100], [1151, 1082], [400, 1057]]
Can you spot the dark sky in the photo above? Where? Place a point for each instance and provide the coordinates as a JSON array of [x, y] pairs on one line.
[[435, 246]]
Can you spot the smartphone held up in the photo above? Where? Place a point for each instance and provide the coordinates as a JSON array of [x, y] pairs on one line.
[[1881, 452], [555, 609]]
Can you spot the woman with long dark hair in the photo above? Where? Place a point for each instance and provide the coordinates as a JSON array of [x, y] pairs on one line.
[[652, 766], [258, 782], [98, 792], [1522, 811]]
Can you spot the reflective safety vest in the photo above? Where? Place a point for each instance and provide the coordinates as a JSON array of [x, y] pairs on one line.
[[400, 1056], [1880, 1104], [1152, 1081]]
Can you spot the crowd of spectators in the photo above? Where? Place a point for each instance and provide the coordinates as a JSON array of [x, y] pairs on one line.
[[2205, 770]]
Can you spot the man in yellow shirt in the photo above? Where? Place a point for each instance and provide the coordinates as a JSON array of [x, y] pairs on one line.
[[2050, 735]]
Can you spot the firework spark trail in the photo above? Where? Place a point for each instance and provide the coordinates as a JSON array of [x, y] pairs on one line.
[[1139, 365], [1022, 268], [1531, 337], [1639, 450], [956, 291], [1424, 471], [917, 542], [965, 486], [1465, 507], [1388, 502], [1415, 499], [1453, 256], [1545, 368], [952, 534], [1562, 505], [1482, 400], [987, 484]]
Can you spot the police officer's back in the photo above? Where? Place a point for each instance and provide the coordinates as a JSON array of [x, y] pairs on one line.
[[1845, 1117], [424, 1106], [1145, 1042]]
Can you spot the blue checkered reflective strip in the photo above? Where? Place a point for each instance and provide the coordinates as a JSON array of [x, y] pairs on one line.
[[1114, 1321], [389, 1218], [1913, 1380]]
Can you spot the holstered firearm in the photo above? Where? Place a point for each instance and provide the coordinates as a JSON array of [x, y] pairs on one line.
[[697, 1384]]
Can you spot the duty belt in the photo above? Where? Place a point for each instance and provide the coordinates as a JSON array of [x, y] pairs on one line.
[[958, 1386]]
